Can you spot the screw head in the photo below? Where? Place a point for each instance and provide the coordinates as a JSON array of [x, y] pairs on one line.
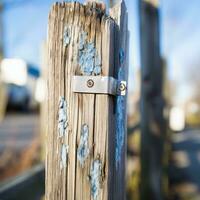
[[122, 87], [90, 83]]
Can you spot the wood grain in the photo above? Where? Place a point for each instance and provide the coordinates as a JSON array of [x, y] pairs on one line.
[[77, 35]]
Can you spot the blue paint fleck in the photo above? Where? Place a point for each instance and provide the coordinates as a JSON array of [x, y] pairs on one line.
[[62, 117], [82, 41], [95, 178], [64, 156], [66, 36], [83, 149], [97, 68], [87, 57], [121, 56]]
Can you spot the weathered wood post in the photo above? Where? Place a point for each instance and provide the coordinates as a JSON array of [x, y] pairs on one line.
[[86, 141], [152, 103]]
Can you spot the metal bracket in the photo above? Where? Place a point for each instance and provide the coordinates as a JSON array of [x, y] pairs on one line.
[[99, 85]]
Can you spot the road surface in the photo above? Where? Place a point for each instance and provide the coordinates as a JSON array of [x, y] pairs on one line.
[[18, 143], [18, 130]]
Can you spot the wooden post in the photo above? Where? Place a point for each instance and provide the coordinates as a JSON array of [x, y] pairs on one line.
[[152, 103], [86, 141]]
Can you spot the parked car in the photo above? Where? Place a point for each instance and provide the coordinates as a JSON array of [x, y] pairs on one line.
[[18, 97], [20, 79]]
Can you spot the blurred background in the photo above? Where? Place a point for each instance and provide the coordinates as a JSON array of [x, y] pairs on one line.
[[23, 28]]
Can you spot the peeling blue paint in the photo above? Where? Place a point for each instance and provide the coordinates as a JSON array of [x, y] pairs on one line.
[[82, 40], [66, 36], [121, 56], [97, 68], [83, 149], [64, 156], [87, 57], [120, 114], [62, 117], [95, 178]]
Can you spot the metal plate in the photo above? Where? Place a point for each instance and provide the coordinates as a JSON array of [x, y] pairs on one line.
[[98, 85]]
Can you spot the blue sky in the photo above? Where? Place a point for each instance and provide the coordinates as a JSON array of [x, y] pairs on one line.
[[181, 41], [25, 27], [181, 32]]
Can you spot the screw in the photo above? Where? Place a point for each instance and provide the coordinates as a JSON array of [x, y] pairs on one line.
[[90, 83], [122, 87]]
